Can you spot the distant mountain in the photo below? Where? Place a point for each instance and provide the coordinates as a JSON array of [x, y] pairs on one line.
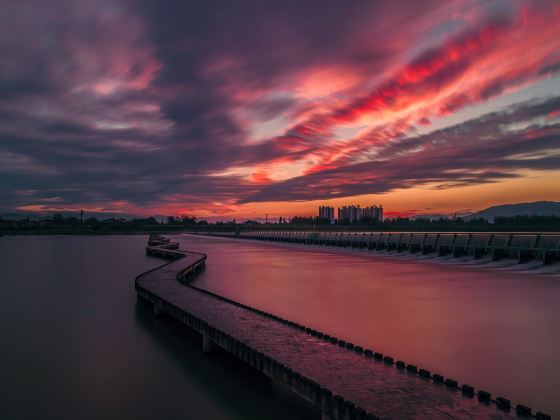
[[538, 208]]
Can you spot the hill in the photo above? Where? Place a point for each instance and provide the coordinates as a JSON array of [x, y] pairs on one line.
[[537, 208]]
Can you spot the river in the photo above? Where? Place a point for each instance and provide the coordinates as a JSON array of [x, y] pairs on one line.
[[76, 344], [495, 329]]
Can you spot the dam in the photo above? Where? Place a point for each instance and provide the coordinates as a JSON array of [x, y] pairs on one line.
[[342, 379], [522, 247]]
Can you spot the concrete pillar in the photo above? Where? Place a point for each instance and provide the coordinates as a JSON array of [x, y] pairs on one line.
[[208, 346], [157, 310]]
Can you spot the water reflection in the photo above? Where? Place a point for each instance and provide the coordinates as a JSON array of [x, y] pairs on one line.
[[76, 344]]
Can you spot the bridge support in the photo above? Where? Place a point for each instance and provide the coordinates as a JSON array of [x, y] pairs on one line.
[[208, 346]]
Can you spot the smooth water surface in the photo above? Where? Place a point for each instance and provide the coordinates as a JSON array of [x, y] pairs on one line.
[[497, 330], [75, 344]]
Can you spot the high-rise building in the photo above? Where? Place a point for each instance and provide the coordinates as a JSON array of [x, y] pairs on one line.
[[355, 213], [343, 214], [327, 212]]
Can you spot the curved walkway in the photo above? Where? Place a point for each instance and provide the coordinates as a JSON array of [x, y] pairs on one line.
[[343, 380]]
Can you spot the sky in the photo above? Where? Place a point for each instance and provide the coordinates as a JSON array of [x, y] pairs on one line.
[[222, 109]]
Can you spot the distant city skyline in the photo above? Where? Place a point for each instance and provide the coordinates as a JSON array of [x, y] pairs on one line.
[[351, 213], [277, 108]]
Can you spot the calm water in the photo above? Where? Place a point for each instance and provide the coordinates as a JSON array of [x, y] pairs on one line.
[[495, 329], [76, 345]]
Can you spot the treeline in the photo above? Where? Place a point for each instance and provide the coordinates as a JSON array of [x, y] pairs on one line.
[[521, 223], [502, 224], [60, 224]]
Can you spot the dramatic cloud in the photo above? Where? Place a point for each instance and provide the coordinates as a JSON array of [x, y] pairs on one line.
[[166, 107], [487, 149]]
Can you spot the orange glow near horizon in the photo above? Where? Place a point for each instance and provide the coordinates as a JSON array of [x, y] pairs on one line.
[[532, 186], [425, 200]]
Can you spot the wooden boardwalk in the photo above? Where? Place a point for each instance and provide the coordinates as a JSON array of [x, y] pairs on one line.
[[343, 380]]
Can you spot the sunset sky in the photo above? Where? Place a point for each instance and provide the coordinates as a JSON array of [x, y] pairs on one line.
[[234, 109]]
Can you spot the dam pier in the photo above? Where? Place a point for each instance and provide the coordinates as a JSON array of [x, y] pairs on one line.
[[342, 380], [522, 247]]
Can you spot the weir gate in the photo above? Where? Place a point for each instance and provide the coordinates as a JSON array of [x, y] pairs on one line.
[[495, 246]]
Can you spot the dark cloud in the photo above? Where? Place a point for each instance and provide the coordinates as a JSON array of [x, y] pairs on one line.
[[143, 102]]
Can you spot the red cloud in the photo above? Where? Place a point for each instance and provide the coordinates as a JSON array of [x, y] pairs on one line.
[[260, 177], [467, 69]]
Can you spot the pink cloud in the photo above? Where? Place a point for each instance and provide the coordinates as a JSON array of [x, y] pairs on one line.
[[467, 69]]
